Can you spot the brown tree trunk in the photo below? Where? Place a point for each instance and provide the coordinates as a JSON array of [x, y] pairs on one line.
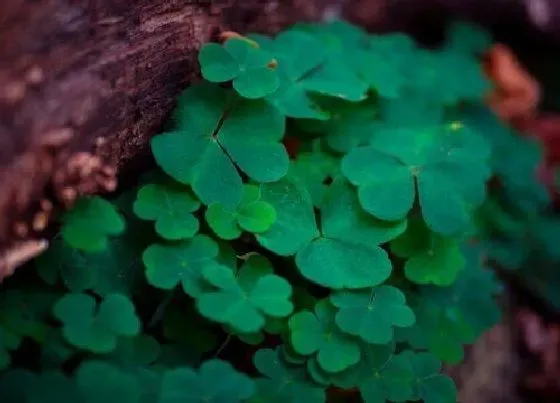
[[85, 84]]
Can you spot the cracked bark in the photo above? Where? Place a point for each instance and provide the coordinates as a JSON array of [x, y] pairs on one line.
[[85, 84]]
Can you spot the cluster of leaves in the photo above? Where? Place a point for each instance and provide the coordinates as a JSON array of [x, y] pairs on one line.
[[244, 275], [518, 222]]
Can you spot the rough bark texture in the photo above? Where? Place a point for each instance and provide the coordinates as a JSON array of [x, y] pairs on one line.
[[85, 84]]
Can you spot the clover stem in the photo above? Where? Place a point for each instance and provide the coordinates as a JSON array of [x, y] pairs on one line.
[[223, 345], [160, 310]]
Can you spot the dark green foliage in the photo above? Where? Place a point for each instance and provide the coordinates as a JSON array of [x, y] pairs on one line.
[[245, 276]]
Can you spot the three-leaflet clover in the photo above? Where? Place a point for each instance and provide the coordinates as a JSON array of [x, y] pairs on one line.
[[305, 69], [171, 206], [449, 317], [184, 384], [473, 293], [215, 133], [381, 375], [252, 69], [315, 333], [243, 300], [96, 327], [251, 214], [283, 382], [345, 253], [371, 313], [438, 163], [169, 265], [430, 257], [441, 331], [89, 224], [430, 385]]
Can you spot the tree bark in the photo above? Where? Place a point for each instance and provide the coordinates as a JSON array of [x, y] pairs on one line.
[[85, 84]]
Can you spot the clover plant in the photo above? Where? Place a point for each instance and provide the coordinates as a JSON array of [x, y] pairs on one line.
[[242, 271]]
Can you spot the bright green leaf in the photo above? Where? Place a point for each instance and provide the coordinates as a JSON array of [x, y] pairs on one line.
[[244, 301], [432, 259], [252, 215], [347, 254], [317, 333], [437, 160], [215, 132], [295, 219], [371, 314], [381, 375], [252, 69]]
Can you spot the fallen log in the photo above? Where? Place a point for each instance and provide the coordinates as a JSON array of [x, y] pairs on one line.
[[85, 84]]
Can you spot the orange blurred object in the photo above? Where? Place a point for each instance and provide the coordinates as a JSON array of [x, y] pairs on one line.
[[516, 95]]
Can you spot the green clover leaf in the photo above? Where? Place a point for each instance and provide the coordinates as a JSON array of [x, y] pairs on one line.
[[72, 265], [336, 33], [337, 76], [467, 38], [315, 169], [396, 47], [299, 55], [412, 112], [352, 125], [380, 375], [430, 385], [115, 269], [215, 132], [441, 330], [283, 383], [347, 253], [25, 312], [101, 382], [441, 164], [431, 258], [90, 222], [371, 314], [306, 69], [168, 265], [295, 219], [216, 381], [253, 70], [252, 215], [171, 207], [379, 67], [96, 327], [473, 85], [244, 301], [317, 334], [473, 294]]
